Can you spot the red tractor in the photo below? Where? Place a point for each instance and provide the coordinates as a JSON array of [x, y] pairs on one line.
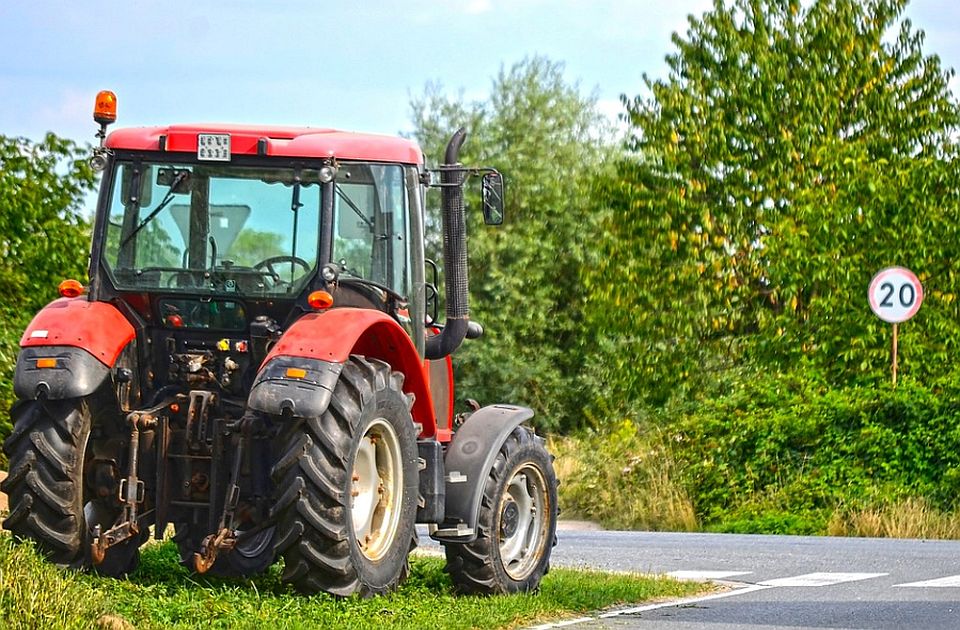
[[254, 363]]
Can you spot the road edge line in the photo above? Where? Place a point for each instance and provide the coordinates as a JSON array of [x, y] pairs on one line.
[[638, 609], [685, 601]]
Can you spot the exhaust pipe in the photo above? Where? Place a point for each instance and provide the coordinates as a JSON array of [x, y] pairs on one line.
[[454, 255]]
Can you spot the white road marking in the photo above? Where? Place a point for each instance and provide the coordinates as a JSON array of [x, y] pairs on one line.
[[667, 604], [683, 602], [821, 579], [951, 581], [705, 575], [809, 579], [561, 624]]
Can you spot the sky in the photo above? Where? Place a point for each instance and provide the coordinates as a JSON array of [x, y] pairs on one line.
[[349, 65]]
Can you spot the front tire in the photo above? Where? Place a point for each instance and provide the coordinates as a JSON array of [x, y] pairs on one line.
[[49, 501], [347, 487], [517, 523]]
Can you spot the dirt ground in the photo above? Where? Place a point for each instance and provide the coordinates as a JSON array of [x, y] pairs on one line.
[[3, 497]]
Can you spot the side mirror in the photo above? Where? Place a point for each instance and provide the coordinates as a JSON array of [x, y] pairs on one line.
[[492, 198]]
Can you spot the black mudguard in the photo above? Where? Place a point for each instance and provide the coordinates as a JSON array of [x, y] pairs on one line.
[[467, 463], [77, 373], [275, 392]]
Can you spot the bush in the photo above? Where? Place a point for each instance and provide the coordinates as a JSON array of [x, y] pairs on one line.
[[781, 453]]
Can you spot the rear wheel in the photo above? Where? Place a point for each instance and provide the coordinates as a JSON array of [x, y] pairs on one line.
[[347, 484], [517, 522], [49, 500]]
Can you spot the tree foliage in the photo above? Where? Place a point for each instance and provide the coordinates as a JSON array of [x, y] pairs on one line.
[[44, 235], [793, 150], [550, 142]]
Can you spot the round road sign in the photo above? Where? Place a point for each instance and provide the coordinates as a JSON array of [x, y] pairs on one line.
[[895, 294]]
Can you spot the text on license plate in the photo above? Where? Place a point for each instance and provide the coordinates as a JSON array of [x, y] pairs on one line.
[[213, 146]]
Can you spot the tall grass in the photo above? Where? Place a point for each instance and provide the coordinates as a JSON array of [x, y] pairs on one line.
[[624, 478], [907, 518]]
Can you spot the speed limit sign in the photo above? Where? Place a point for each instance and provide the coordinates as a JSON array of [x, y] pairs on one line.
[[895, 294]]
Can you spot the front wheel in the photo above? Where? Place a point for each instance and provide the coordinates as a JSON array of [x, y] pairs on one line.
[[347, 485], [517, 523]]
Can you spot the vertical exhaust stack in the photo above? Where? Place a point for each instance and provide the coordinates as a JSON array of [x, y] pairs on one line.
[[454, 254]]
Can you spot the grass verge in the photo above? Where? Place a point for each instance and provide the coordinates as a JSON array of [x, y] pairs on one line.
[[162, 594]]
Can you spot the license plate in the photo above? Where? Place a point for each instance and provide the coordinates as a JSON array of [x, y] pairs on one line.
[[213, 147]]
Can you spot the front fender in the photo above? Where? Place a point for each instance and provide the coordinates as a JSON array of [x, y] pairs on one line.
[[319, 344], [468, 461]]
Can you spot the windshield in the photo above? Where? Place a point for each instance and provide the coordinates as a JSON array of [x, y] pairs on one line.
[[213, 229]]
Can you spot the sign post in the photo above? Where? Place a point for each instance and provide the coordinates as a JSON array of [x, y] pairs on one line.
[[895, 296]]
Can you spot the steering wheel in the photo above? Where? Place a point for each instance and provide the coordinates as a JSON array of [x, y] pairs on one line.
[[267, 265]]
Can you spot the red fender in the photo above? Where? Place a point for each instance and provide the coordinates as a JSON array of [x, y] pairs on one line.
[[97, 327], [335, 334]]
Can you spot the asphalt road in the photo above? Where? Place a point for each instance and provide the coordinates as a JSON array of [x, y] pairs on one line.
[[779, 581]]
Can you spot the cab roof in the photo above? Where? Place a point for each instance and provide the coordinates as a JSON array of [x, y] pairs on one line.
[[304, 142]]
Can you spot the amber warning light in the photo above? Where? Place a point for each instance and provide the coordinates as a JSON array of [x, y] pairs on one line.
[[105, 109], [70, 288], [319, 300]]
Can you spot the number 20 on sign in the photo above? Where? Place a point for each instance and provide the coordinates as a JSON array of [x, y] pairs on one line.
[[895, 296]]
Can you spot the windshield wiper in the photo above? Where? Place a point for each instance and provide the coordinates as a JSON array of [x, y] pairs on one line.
[[182, 175]]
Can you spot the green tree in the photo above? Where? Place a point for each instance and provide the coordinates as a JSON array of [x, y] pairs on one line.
[[44, 235], [253, 246], [551, 143], [792, 151]]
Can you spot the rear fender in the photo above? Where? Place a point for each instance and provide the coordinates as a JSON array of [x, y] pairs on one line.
[[468, 461], [78, 341], [319, 344]]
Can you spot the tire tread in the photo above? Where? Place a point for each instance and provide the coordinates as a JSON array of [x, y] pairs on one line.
[[313, 526]]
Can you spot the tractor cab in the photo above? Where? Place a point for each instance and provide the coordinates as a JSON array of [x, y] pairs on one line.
[[193, 242]]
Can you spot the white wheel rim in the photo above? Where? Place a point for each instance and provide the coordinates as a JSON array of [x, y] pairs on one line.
[[523, 521], [377, 489]]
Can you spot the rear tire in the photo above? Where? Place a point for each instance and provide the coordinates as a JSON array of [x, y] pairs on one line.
[[49, 501], [347, 487], [517, 523]]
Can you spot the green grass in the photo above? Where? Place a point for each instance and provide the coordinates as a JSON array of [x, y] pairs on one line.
[[162, 594]]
